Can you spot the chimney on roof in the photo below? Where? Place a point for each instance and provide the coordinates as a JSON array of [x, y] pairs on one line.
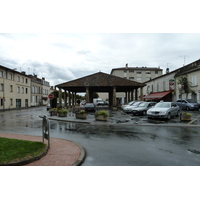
[[126, 65]]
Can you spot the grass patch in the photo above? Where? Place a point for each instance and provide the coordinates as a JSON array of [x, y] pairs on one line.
[[13, 150]]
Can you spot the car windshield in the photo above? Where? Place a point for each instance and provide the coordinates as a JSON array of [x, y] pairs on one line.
[[144, 104], [191, 101], [163, 105], [136, 103]]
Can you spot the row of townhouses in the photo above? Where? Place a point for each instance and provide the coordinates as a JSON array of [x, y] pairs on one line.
[[19, 90], [161, 86]]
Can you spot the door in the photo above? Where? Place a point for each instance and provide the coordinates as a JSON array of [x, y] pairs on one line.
[[26, 103], [18, 103]]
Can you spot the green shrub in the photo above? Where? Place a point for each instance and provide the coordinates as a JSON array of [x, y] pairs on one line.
[[102, 112], [186, 114], [82, 111], [63, 111]]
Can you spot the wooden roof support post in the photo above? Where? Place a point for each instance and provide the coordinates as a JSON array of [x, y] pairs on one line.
[[87, 95], [131, 95], [65, 99], [60, 97], [114, 98], [136, 95], [141, 94]]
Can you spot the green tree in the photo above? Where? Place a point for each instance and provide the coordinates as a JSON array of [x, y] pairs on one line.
[[187, 84], [95, 95]]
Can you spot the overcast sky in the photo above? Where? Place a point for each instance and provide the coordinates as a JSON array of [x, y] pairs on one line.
[[64, 57], [64, 41]]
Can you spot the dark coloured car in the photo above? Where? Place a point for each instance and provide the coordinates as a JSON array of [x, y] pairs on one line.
[[188, 104], [142, 108], [90, 107]]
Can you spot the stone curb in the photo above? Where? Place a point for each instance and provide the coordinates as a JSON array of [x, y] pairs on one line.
[[82, 156]]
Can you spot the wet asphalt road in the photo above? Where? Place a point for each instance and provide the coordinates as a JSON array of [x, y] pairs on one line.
[[117, 144]]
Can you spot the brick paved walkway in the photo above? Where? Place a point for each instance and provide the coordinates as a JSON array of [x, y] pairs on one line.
[[61, 152]]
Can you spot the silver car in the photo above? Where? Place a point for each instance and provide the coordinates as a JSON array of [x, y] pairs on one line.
[[142, 108], [129, 109], [164, 110]]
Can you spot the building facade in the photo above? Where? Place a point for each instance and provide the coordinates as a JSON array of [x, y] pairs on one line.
[[192, 72], [138, 74], [161, 88], [16, 89], [167, 88]]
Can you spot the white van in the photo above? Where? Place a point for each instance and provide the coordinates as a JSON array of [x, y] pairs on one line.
[[97, 102]]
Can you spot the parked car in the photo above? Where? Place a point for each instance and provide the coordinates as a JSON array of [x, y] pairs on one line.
[[129, 109], [188, 104], [127, 104], [90, 107], [164, 110], [142, 108]]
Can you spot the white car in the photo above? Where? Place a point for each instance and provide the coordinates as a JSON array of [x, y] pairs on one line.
[[129, 109], [164, 110]]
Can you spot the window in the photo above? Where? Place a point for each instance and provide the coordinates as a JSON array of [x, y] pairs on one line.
[[22, 90], [138, 72], [139, 79], [131, 71], [1, 74], [1, 102], [157, 87], [148, 72], [194, 80], [164, 86], [22, 79], [26, 90], [18, 89], [156, 72], [26, 80], [131, 78], [11, 88], [1, 87], [10, 77], [18, 78], [11, 102], [125, 71], [33, 89], [148, 78]]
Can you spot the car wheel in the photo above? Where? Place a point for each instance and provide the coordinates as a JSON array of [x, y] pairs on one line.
[[187, 108], [169, 116]]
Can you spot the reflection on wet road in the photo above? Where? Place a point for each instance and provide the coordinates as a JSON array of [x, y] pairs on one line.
[[116, 144]]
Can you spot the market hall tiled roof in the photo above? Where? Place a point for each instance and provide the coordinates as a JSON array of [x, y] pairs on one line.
[[102, 82]]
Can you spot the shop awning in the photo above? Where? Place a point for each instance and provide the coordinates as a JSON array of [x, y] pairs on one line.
[[157, 95]]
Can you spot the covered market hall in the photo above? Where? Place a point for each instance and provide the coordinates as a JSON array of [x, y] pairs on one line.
[[99, 82]]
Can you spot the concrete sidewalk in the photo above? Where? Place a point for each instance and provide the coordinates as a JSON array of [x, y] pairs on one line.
[[61, 152]]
